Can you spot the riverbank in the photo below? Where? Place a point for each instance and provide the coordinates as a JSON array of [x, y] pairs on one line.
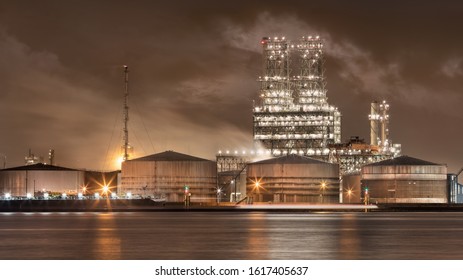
[[133, 205]]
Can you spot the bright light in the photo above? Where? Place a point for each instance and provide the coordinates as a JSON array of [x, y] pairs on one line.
[[113, 195], [64, 196], [129, 195], [45, 195], [120, 160], [105, 189], [7, 195], [257, 184], [29, 195], [84, 189], [97, 195], [80, 195]]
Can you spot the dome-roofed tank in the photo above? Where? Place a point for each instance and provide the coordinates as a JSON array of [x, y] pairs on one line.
[[405, 180], [291, 179]]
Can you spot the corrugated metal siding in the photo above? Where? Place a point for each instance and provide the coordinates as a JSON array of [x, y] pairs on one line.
[[405, 169], [292, 183], [293, 170], [168, 178], [406, 183], [14, 182]]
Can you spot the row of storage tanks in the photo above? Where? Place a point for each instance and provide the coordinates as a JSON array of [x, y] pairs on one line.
[[175, 177]]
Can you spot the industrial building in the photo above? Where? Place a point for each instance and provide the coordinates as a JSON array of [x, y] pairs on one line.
[[37, 179], [404, 180], [291, 179], [294, 116], [355, 153], [170, 176]]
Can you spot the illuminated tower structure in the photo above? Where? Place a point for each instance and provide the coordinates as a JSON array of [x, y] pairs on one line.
[[294, 116], [355, 153], [379, 126], [127, 150]]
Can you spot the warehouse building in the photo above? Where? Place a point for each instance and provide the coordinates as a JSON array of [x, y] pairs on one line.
[[405, 180], [293, 179], [170, 176]]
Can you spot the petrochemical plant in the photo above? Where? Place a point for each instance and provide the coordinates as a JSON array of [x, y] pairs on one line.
[[298, 155]]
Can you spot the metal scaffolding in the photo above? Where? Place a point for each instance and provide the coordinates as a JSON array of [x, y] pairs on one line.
[[294, 116]]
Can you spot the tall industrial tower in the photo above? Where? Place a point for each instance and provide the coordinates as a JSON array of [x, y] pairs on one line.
[[379, 125], [126, 148], [294, 115]]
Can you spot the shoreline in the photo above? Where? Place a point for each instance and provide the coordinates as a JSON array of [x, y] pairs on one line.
[[147, 205]]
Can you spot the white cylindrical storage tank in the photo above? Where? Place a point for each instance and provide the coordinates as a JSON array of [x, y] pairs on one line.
[[405, 180], [170, 176], [293, 179]]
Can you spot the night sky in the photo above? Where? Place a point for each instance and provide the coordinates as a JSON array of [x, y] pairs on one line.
[[193, 70]]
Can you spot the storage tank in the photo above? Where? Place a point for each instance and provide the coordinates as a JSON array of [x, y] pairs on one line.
[[405, 180], [39, 178], [292, 179], [170, 176]]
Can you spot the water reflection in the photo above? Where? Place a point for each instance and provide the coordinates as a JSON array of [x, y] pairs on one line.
[[230, 235], [257, 241], [107, 243], [349, 243]]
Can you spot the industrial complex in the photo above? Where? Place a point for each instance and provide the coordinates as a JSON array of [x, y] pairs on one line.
[[298, 157]]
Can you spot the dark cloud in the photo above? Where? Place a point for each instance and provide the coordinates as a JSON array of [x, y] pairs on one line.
[[193, 70]]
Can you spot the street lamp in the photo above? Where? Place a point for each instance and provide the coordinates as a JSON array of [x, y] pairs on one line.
[[218, 195], [349, 194]]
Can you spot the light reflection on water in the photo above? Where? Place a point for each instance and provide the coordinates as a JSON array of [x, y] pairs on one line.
[[107, 242], [231, 235]]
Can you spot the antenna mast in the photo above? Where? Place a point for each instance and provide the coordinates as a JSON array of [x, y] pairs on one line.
[[126, 114]]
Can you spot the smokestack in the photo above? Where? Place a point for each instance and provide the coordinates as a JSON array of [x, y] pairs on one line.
[[384, 117], [374, 118], [51, 157]]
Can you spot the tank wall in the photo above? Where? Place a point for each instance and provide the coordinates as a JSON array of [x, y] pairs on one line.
[[168, 178], [293, 170], [406, 191], [60, 181], [406, 169], [293, 183]]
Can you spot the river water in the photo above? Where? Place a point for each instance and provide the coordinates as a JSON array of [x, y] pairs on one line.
[[231, 235]]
